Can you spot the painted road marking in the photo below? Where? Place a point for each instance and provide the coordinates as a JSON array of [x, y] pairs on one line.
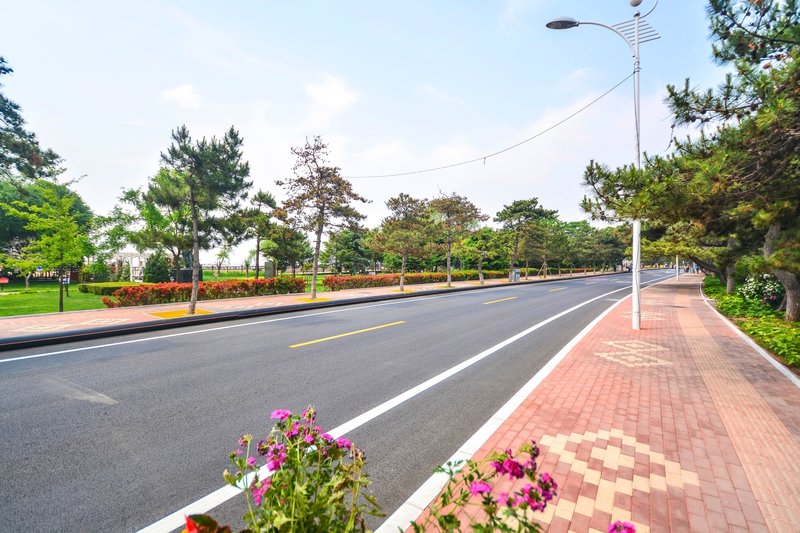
[[258, 323], [500, 300], [557, 289], [298, 345], [223, 494]]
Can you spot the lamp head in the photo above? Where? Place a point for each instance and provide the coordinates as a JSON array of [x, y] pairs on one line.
[[563, 23], [635, 3]]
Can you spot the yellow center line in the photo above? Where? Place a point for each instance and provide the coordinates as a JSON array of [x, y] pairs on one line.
[[558, 289], [346, 334], [503, 300]]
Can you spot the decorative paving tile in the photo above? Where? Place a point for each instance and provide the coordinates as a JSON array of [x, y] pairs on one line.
[[634, 353], [104, 321]]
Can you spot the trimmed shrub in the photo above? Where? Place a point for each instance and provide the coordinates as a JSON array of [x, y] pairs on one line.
[[156, 270], [338, 283], [106, 288], [162, 293]]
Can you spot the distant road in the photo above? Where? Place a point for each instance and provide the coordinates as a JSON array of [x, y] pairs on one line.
[[115, 434]]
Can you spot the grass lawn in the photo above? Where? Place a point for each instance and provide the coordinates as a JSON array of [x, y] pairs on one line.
[[43, 298]]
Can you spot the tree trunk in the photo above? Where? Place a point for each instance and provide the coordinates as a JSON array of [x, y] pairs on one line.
[[788, 279], [730, 281], [195, 254], [403, 273], [480, 269], [28, 280], [527, 268], [315, 266], [258, 253], [449, 275], [60, 291]]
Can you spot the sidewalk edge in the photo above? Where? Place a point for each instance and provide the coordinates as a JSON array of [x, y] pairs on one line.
[[416, 504], [750, 342]]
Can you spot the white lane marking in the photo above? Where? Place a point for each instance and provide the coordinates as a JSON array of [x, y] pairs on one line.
[[223, 494], [256, 323], [413, 507]]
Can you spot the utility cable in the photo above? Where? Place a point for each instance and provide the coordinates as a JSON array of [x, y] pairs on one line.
[[485, 157]]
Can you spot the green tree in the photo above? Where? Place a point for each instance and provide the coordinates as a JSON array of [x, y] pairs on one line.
[[318, 197], [346, 251], [215, 176], [453, 217], [403, 232], [60, 241], [156, 269], [287, 247], [21, 156], [259, 221], [514, 218], [478, 247]]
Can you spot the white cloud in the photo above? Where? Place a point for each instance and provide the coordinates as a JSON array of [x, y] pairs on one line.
[[186, 96], [329, 97]]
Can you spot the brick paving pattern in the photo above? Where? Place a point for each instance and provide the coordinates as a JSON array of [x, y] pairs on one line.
[[680, 426]]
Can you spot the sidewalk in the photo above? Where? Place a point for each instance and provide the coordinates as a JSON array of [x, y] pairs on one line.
[[15, 330], [681, 426]]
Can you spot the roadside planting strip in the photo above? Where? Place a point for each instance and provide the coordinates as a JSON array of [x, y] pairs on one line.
[[223, 494]]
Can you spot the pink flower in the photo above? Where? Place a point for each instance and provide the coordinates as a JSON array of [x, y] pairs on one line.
[[309, 439], [505, 498], [480, 487], [621, 527], [251, 461], [344, 443], [327, 437], [258, 491], [280, 414], [513, 468]]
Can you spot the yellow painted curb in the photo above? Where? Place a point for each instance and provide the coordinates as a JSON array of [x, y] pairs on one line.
[[312, 300], [180, 313]]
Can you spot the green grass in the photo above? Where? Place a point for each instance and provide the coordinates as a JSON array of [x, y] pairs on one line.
[[43, 298], [763, 324]]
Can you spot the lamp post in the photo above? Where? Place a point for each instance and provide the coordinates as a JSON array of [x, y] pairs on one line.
[[630, 33]]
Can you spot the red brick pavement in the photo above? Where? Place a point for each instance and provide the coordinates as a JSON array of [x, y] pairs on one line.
[[680, 426]]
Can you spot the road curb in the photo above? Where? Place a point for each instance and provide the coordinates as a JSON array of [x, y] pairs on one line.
[[46, 339]]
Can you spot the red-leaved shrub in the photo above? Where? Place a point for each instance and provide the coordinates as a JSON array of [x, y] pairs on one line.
[[163, 293]]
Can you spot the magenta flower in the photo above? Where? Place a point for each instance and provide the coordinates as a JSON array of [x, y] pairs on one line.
[[344, 443], [621, 527], [513, 468], [480, 487], [251, 461], [280, 414], [258, 491], [309, 439], [327, 437], [505, 498]]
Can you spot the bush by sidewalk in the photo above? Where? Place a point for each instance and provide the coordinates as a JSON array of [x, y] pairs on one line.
[[759, 320], [338, 283], [162, 293], [106, 288]]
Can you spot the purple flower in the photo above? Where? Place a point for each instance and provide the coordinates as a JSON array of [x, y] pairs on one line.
[[280, 414], [480, 487], [344, 443], [513, 468], [621, 527]]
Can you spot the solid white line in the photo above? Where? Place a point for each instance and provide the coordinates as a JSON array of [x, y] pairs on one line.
[[258, 322], [413, 507], [232, 326], [221, 495], [750, 342]]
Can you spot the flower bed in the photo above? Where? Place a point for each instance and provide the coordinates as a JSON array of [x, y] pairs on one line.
[[162, 293], [338, 283]]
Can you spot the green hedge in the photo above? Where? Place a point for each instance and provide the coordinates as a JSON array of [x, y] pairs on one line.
[[106, 288]]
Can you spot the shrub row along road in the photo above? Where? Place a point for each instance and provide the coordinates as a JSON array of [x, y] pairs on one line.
[[117, 434]]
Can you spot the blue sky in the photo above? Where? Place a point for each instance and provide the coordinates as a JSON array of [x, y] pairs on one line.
[[392, 87]]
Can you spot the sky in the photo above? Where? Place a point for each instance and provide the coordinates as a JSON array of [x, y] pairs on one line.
[[391, 87]]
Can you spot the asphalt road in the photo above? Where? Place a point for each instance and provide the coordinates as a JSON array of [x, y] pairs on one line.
[[113, 435]]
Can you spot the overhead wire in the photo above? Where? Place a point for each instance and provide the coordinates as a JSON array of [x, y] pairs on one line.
[[493, 154]]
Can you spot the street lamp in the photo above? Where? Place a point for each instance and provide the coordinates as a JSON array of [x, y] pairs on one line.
[[632, 32]]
